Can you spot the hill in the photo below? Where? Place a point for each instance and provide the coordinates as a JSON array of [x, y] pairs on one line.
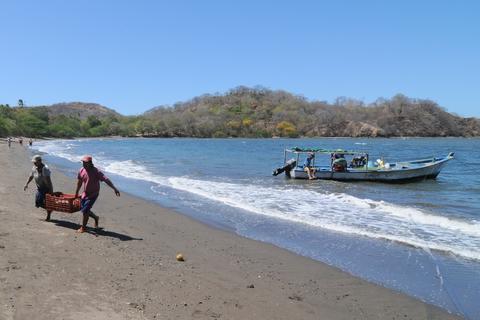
[[81, 110], [259, 112], [245, 112], [62, 120]]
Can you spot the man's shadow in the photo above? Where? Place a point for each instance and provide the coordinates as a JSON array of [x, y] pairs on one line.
[[95, 232]]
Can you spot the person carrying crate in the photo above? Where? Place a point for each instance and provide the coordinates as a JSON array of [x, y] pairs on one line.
[[41, 174], [89, 176]]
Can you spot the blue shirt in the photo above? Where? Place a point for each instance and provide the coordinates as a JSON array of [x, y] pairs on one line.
[[308, 162]]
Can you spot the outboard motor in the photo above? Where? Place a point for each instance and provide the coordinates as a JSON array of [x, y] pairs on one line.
[[289, 165]]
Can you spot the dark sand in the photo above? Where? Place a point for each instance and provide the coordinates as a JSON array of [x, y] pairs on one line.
[[128, 270]]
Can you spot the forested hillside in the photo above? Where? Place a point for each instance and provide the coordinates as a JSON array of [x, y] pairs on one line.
[[259, 112], [244, 112], [65, 120]]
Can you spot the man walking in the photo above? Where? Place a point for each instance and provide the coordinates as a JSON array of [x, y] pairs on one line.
[[41, 174], [90, 177]]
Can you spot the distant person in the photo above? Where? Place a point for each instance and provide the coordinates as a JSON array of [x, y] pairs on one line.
[[308, 166], [339, 163], [9, 141], [90, 177], [41, 174], [20, 140], [30, 142]]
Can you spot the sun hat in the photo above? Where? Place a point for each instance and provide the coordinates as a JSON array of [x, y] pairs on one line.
[[36, 158], [87, 158]]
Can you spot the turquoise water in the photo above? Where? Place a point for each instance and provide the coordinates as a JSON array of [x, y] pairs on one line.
[[420, 238]]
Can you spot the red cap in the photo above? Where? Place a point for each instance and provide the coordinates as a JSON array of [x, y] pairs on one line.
[[87, 158]]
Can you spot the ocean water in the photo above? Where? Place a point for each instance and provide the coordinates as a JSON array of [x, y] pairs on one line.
[[419, 238]]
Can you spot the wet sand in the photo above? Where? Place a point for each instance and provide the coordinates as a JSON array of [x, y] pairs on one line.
[[128, 270]]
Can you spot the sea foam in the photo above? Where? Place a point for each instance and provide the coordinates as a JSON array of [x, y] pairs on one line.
[[336, 212], [344, 213]]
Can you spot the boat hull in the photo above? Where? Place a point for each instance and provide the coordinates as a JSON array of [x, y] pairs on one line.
[[402, 173]]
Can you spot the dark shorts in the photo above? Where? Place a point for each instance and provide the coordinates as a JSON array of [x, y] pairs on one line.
[[86, 204], [40, 198]]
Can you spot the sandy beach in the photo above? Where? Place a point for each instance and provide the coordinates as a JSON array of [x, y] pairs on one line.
[[128, 270]]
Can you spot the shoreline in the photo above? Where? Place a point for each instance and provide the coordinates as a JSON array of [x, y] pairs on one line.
[[128, 270], [249, 138]]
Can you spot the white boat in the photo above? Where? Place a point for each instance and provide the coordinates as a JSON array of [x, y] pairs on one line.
[[358, 167]]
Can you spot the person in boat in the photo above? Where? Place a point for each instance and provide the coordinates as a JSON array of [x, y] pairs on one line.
[[339, 163], [41, 174], [90, 178], [308, 166], [358, 161]]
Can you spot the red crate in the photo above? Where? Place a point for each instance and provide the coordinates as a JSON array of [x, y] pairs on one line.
[[62, 202]]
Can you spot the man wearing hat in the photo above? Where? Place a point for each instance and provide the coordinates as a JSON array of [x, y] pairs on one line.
[[90, 177], [41, 174]]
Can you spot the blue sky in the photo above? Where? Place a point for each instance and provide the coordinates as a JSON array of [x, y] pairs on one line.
[[134, 55]]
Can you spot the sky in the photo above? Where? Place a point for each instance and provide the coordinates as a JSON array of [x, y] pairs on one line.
[[134, 55]]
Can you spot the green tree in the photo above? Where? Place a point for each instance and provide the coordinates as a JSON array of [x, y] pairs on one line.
[[7, 126], [64, 126], [29, 125], [6, 111], [93, 121], [98, 131], [61, 131]]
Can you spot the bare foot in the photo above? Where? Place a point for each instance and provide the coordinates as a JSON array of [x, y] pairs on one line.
[[82, 229]]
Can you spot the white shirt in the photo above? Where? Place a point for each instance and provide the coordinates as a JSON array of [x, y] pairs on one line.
[[41, 177]]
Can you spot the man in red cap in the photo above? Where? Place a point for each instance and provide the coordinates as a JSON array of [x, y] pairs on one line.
[[90, 177]]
